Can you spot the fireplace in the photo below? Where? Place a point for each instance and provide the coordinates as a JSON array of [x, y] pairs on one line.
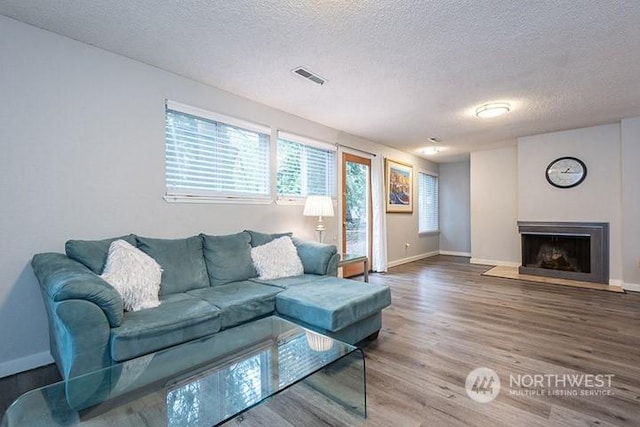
[[566, 250]]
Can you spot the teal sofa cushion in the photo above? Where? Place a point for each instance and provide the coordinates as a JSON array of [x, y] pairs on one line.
[[93, 253], [228, 258], [332, 303], [239, 302], [259, 239], [182, 262], [315, 257], [286, 282], [174, 321]]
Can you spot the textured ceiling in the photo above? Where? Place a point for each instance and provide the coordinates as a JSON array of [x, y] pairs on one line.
[[398, 71]]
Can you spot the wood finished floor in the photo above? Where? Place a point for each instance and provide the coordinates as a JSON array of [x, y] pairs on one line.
[[446, 320]]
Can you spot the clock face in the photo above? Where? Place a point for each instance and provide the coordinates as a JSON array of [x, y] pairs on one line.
[[566, 172]]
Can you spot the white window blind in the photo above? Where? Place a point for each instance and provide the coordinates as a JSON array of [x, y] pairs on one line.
[[305, 167], [427, 203], [211, 156]]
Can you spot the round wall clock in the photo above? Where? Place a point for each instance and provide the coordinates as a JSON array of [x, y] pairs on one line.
[[566, 172]]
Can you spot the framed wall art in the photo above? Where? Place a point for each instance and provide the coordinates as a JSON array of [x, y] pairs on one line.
[[398, 186]]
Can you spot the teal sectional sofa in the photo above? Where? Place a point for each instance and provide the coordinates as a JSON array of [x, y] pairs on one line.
[[208, 284]]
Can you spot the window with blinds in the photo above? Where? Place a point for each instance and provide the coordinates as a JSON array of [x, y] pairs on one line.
[[305, 168], [212, 156], [427, 203]]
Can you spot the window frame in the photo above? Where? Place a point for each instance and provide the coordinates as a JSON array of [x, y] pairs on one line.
[[437, 202], [309, 142], [222, 197]]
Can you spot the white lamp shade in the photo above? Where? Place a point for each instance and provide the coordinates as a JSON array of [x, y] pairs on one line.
[[319, 342], [318, 206]]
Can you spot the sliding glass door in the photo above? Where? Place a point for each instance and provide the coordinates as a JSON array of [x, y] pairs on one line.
[[356, 210]]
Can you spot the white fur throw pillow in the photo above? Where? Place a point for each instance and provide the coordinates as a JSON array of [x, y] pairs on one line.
[[277, 259], [134, 274]]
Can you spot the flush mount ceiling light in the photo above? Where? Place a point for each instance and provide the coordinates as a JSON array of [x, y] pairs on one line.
[[493, 109], [430, 150]]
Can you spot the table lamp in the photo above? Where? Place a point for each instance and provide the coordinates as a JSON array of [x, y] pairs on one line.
[[318, 206]]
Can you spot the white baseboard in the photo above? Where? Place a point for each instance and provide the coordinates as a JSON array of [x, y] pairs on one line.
[[634, 287], [401, 261], [615, 282], [454, 253], [25, 363], [494, 262]]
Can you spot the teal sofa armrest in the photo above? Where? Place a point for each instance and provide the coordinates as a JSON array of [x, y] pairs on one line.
[[79, 333], [317, 258], [62, 278], [332, 267]]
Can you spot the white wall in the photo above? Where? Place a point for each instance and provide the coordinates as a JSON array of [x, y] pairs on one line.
[[597, 199], [494, 231], [82, 134], [455, 208], [398, 231], [630, 154], [608, 194], [402, 228]]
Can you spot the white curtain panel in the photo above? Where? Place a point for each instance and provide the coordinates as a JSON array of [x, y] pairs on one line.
[[379, 217]]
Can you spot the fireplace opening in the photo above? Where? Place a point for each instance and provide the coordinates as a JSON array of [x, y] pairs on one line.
[[554, 252], [566, 250]]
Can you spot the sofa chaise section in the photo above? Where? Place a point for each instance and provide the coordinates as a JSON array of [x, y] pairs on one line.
[[344, 309]]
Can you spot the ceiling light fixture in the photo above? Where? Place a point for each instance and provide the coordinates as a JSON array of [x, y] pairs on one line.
[[430, 150], [493, 109]]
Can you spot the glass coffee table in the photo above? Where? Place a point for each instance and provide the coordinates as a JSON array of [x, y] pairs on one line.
[[204, 382]]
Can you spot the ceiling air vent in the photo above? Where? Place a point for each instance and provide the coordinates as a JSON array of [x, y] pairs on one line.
[[303, 72]]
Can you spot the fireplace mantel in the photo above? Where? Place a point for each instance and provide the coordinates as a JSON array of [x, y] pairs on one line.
[[595, 234]]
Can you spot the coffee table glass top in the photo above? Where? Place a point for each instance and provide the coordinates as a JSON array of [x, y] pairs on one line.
[[203, 382]]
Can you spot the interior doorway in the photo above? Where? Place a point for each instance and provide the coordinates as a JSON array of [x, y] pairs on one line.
[[356, 210]]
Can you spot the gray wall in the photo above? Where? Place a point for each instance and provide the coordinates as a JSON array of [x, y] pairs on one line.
[[82, 134], [509, 184], [420, 245], [455, 208], [630, 153], [597, 199], [494, 207]]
